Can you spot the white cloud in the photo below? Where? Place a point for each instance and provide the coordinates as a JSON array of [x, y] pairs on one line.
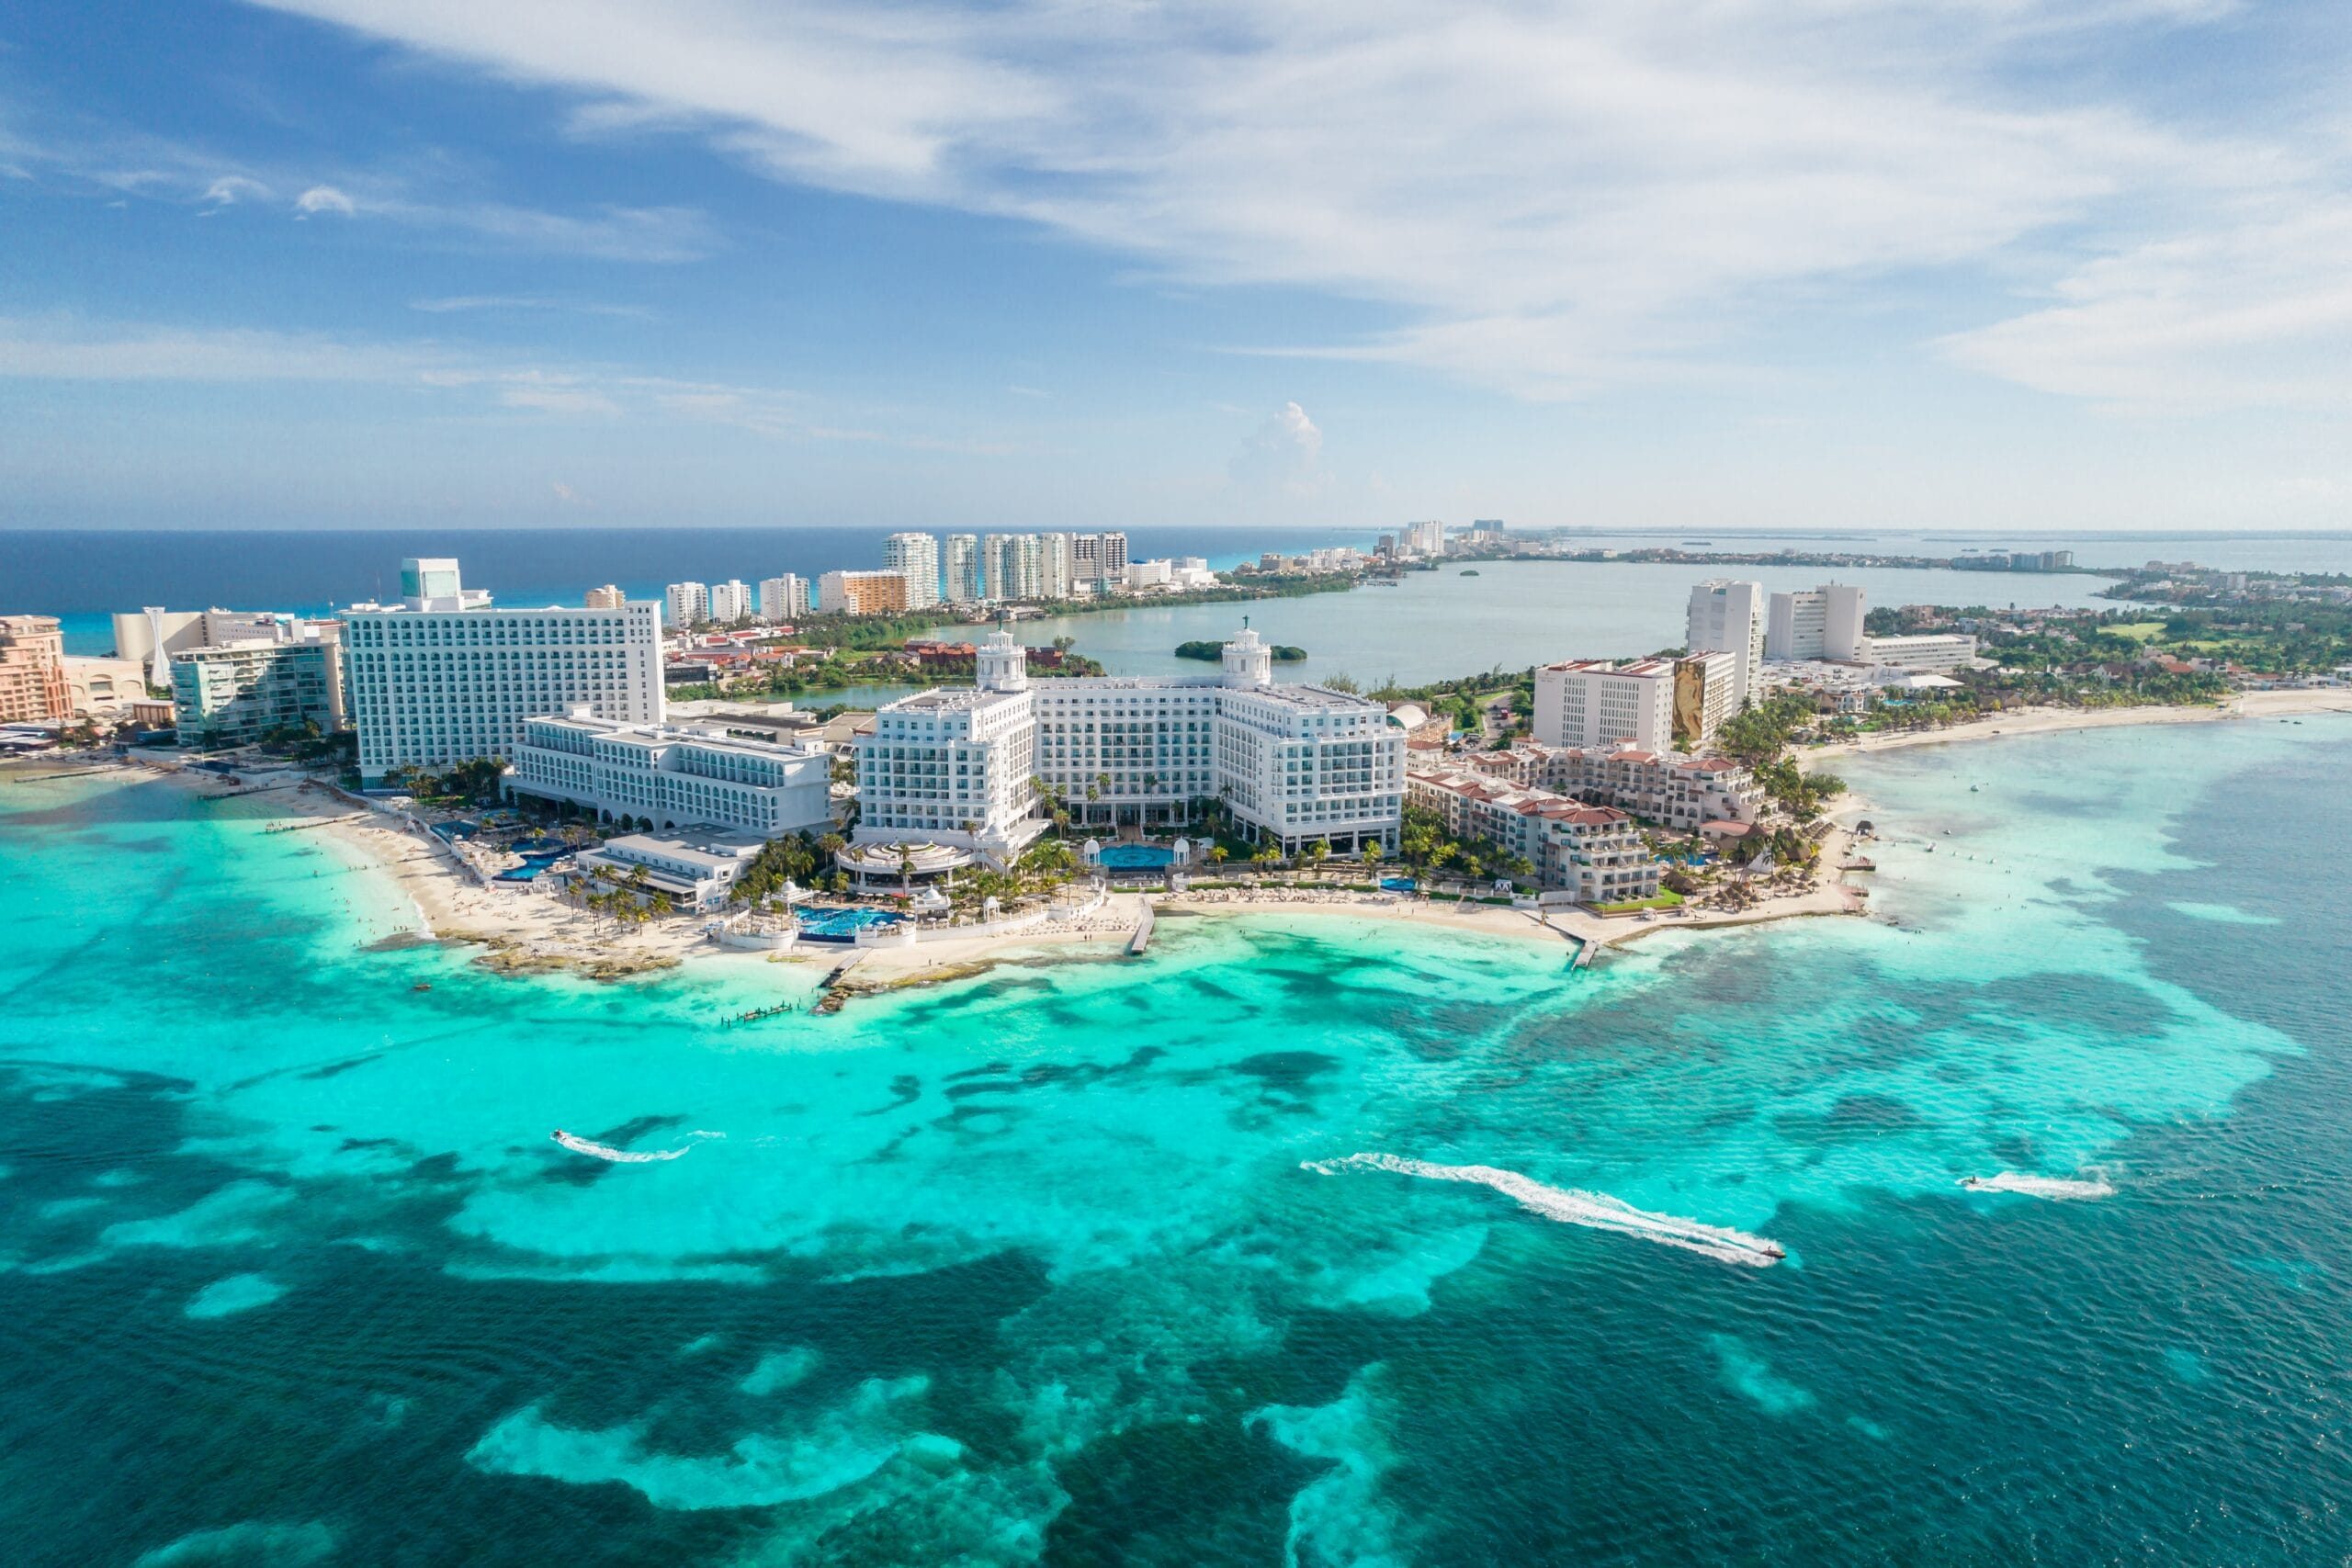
[[566, 495], [229, 189], [1283, 456], [449, 304], [323, 198], [63, 348], [2257, 315], [1553, 196]]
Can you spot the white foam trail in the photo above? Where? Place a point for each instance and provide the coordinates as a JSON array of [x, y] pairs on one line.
[[579, 1144], [1596, 1211], [2053, 1187]]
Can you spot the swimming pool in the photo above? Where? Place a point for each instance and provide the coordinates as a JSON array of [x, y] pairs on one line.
[[1396, 884], [1135, 857], [841, 925]]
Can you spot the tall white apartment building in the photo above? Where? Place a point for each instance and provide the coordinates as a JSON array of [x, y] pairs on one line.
[[1728, 616], [962, 568], [1294, 764], [608, 597], [432, 685], [729, 602], [1425, 538], [1013, 566], [782, 598], [1099, 558], [1057, 566], [688, 603], [1818, 623], [1592, 702], [917, 555], [675, 775]]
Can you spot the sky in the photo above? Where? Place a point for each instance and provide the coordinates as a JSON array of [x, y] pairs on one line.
[[2007, 263]]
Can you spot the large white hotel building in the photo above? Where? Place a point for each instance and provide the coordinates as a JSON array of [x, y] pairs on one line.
[[1294, 764], [674, 775], [445, 678]]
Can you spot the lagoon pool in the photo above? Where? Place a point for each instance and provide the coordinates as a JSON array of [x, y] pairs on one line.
[[841, 925], [1136, 857]]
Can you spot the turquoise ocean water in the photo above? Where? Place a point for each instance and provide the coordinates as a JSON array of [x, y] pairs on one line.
[[1032, 1267]]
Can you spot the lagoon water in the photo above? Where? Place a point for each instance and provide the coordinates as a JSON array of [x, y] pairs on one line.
[[1069, 1263], [1526, 613]]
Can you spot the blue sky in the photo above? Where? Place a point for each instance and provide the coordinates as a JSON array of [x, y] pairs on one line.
[[2012, 264]]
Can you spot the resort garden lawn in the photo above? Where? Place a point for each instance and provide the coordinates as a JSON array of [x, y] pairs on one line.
[[1667, 899]]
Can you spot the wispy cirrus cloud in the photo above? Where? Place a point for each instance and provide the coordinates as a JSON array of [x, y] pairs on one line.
[[110, 161], [453, 303], [1554, 197], [66, 348]]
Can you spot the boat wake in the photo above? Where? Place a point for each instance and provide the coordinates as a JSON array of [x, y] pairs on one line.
[[2053, 1187], [580, 1145], [1596, 1211]]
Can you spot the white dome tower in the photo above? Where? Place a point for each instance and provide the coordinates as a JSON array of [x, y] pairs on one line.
[[1248, 661], [1002, 664]]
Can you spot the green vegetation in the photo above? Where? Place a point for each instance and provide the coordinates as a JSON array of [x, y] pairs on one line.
[[1426, 848], [1283, 652], [1759, 734], [468, 784], [1667, 899]]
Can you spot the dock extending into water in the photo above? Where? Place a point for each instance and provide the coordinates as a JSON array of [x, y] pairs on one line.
[[316, 822], [1142, 939]]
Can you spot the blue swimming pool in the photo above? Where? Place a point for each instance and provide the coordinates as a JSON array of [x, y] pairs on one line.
[[1397, 884], [1135, 857], [841, 925]]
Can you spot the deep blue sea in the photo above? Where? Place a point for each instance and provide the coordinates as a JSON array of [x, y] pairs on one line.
[[1072, 1262]]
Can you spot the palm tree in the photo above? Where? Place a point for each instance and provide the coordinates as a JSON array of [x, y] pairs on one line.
[[1372, 855], [1217, 854]]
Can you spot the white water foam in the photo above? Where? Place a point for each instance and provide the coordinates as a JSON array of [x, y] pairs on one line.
[[579, 1144], [1596, 1211], [2052, 1187]]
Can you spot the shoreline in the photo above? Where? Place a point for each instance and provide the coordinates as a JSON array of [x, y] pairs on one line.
[[2293, 704], [522, 931]]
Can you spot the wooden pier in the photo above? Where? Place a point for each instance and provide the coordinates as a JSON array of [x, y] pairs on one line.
[[1142, 939]]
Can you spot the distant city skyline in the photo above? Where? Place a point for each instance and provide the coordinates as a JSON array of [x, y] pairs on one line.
[[2035, 266]]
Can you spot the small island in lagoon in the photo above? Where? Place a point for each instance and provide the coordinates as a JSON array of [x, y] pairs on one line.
[[1213, 650]]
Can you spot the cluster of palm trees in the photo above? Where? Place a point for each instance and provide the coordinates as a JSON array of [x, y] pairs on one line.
[[626, 900], [801, 858], [1429, 849]]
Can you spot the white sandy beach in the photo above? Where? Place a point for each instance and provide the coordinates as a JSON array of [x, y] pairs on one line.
[[2055, 721], [530, 929]]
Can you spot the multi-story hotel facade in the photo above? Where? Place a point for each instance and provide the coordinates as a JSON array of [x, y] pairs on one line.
[[784, 598], [32, 670], [961, 574], [1592, 702], [1816, 622], [1595, 852], [688, 603], [243, 693], [917, 555], [862, 593], [674, 775], [1295, 764], [432, 685], [1665, 788], [1728, 616]]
